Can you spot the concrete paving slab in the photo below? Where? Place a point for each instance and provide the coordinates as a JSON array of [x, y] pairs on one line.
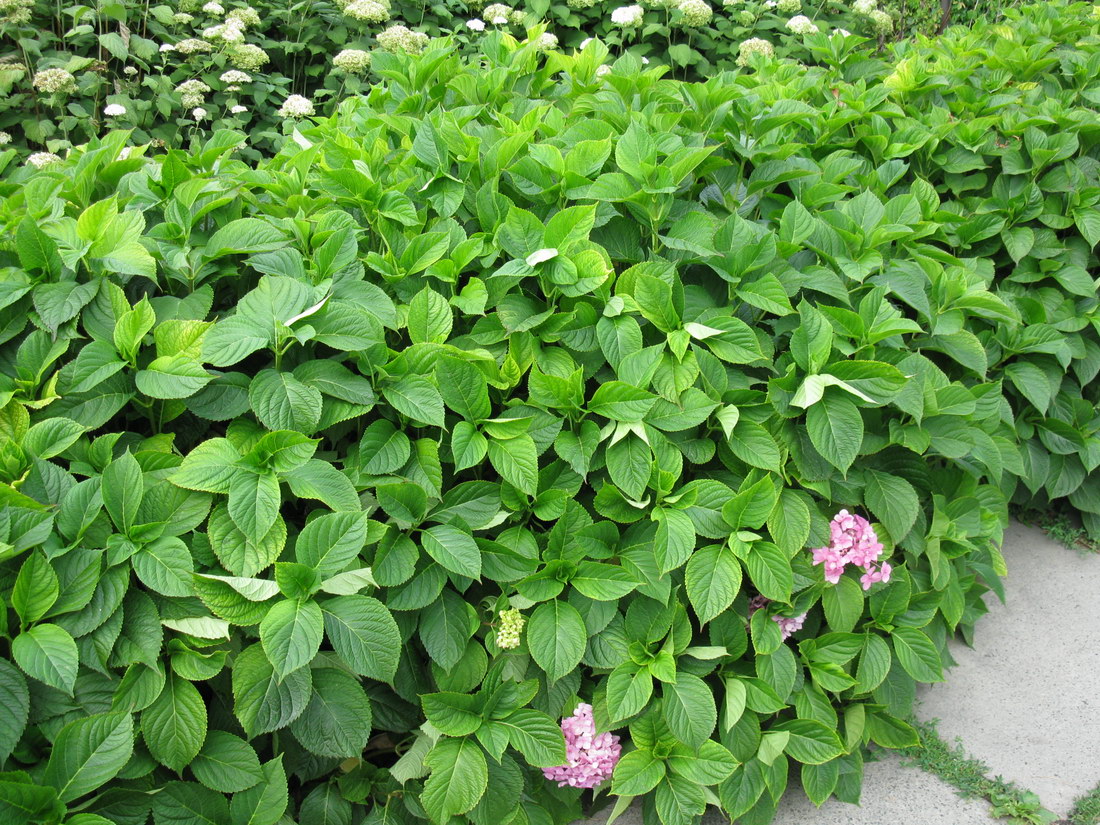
[[893, 794], [1024, 700]]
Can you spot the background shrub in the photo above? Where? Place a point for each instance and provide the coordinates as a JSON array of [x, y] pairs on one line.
[[282, 440]]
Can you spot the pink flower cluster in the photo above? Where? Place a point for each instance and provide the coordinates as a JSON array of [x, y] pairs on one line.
[[590, 756], [852, 541], [788, 625]]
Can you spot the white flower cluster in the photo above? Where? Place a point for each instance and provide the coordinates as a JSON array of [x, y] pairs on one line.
[[352, 61], [864, 7], [789, 6], [114, 110], [41, 159], [368, 11], [547, 42], [400, 38], [230, 31], [248, 57], [246, 17], [603, 70], [192, 93], [15, 12], [476, 24], [54, 81], [214, 8], [510, 629], [628, 16], [198, 113], [754, 45], [694, 13], [881, 22], [235, 76], [167, 47], [5, 138], [192, 45], [498, 14], [296, 107], [182, 18], [580, 4], [238, 109], [801, 24]]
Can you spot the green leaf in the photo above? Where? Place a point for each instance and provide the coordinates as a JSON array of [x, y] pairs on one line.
[[337, 721], [674, 540], [811, 741], [47, 653], [556, 638], [174, 726], [536, 736], [689, 709], [917, 654], [712, 579], [893, 501], [637, 773], [172, 376], [291, 634], [459, 776], [123, 486], [629, 688], [770, 571], [226, 763], [254, 500], [282, 402], [416, 397], [516, 459], [630, 464], [430, 318], [264, 803], [620, 401], [89, 752], [15, 699], [51, 437], [331, 542], [261, 701], [455, 550], [843, 604], [364, 635], [190, 803], [36, 589], [836, 430]]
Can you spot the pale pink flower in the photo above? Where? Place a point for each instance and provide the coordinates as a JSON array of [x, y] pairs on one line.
[[590, 756], [788, 625], [852, 540]]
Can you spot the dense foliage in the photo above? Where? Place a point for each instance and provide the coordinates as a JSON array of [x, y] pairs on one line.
[[186, 71], [282, 441]]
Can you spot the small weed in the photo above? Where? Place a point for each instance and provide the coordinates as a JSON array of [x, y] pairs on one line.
[[1065, 528], [970, 777], [1086, 810]]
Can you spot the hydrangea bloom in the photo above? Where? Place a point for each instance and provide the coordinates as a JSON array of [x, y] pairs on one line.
[[369, 11], [41, 159], [5, 138], [510, 629], [235, 76], [852, 540], [15, 12], [54, 81], [296, 106], [402, 39], [114, 110], [247, 16], [754, 45], [198, 113], [476, 24], [191, 92], [238, 109], [130, 71], [789, 6], [864, 7], [167, 47], [547, 42], [192, 45], [182, 18], [801, 24], [788, 625], [881, 22], [695, 13], [498, 14], [590, 757], [580, 4], [627, 16], [352, 61], [214, 8], [249, 57], [602, 70]]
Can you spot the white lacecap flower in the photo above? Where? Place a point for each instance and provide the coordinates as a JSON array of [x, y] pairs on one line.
[[694, 13], [198, 113], [352, 61], [499, 21], [167, 47], [238, 109], [864, 7], [585, 42], [130, 71], [801, 24], [296, 106], [754, 45], [789, 6], [645, 61], [114, 110], [213, 8], [235, 76], [476, 25], [603, 69], [41, 159], [54, 81], [882, 22], [627, 16], [546, 42], [5, 138]]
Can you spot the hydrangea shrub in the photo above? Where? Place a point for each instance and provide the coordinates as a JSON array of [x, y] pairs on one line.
[[473, 443]]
